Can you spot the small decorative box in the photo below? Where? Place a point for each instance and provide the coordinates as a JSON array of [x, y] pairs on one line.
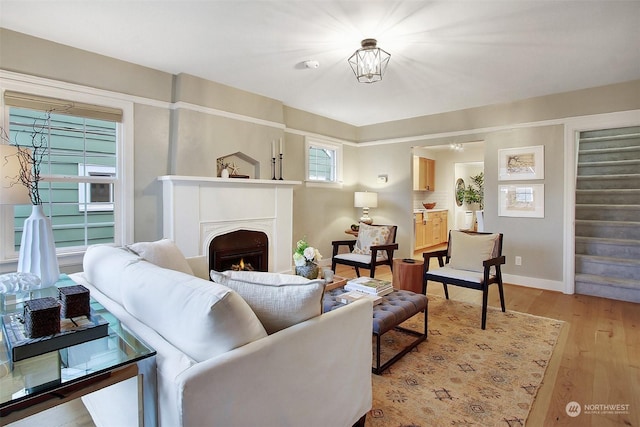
[[74, 301], [41, 317]]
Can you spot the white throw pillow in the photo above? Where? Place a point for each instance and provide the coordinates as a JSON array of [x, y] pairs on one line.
[[468, 251], [104, 267], [163, 253], [369, 235], [279, 300], [201, 318]]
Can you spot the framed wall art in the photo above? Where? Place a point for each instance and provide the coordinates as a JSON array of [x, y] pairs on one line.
[[521, 200], [521, 163]]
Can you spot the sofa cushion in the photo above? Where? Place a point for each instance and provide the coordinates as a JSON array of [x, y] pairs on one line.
[[163, 253], [468, 251], [279, 300], [104, 267], [201, 318]]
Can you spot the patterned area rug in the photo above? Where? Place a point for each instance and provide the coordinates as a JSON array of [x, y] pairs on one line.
[[464, 376]]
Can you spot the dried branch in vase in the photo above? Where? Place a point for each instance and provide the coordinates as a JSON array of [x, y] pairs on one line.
[[30, 155]]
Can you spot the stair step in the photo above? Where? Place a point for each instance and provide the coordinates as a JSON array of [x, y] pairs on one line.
[[625, 196], [600, 182], [607, 287], [599, 246], [589, 142], [609, 154], [600, 212], [608, 168], [620, 268], [608, 229]]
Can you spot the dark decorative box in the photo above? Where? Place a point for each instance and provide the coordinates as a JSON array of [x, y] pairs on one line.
[[74, 301], [41, 317]]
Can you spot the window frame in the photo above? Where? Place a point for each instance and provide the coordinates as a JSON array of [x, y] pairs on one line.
[[315, 142], [108, 174], [122, 183]]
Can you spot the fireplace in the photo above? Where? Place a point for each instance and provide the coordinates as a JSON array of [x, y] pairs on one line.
[[243, 247], [196, 210]]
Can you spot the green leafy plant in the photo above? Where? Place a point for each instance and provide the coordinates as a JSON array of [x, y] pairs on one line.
[[474, 192]]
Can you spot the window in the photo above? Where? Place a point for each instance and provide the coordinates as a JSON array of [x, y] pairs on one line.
[[323, 161], [96, 196], [82, 187]]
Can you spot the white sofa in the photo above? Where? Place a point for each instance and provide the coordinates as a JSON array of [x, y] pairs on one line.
[[215, 363]]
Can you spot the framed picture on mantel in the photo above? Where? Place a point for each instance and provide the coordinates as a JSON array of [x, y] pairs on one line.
[[521, 163]]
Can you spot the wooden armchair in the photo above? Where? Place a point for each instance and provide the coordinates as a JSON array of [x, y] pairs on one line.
[[373, 247], [471, 260]]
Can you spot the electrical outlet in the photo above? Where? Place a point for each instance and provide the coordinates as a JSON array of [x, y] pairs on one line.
[[518, 260]]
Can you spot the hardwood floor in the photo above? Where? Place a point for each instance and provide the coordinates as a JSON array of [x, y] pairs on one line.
[[596, 361]]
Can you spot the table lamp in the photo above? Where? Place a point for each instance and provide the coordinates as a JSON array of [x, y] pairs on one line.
[[365, 200]]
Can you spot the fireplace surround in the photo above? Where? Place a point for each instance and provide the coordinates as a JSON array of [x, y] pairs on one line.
[[195, 210]]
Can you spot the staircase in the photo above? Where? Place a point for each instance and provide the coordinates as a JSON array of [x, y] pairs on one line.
[[608, 214]]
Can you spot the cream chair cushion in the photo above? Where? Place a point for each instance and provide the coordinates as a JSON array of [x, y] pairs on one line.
[[468, 251], [368, 236]]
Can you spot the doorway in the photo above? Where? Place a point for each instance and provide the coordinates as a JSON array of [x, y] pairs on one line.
[[470, 158]]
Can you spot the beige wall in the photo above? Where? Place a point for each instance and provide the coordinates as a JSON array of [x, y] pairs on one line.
[[183, 123]]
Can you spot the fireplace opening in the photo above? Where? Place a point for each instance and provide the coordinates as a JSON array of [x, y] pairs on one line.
[[242, 247]]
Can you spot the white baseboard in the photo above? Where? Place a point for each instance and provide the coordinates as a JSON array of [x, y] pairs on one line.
[[534, 282]]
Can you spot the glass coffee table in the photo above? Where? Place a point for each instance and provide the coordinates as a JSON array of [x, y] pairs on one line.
[[41, 382]]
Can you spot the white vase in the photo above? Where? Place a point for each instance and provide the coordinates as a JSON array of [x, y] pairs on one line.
[[480, 220], [38, 248], [224, 173]]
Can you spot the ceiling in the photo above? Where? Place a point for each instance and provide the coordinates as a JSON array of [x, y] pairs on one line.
[[445, 55]]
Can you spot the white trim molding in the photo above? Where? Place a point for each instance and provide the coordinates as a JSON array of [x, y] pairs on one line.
[[573, 127]]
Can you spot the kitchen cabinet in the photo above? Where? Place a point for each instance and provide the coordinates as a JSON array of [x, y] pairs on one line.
[[424, 174], [420, 231], [431, 228]]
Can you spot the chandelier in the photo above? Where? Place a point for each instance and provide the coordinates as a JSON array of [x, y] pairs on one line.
[[369, 62]]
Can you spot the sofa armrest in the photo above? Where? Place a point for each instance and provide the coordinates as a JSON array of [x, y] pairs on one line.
[[315, 373], [200, 266]]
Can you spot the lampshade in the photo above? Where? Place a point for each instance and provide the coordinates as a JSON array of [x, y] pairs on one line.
[[12, 192], [365, 199], [369, 62]]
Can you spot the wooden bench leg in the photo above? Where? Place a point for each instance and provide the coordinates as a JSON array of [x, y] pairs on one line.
[[421, 336]]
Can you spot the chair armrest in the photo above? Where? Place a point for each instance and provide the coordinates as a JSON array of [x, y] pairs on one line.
[[389, 248], [440, 254], [337, 243], [494, 261]]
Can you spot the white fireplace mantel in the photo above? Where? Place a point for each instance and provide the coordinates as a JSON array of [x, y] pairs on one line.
[[197, 209]]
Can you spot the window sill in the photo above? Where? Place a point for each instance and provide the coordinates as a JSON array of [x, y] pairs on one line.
[[323, 184]]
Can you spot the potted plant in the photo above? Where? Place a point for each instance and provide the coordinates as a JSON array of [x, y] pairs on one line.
[[474, 192], [37, 247], [306, 258]]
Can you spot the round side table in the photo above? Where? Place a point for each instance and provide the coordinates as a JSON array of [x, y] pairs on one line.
[[407, 276]]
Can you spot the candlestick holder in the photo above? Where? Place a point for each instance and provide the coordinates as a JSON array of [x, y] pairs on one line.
[[273, 167], [281, 155]]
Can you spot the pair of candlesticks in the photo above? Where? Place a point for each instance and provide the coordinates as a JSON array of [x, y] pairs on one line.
[[273, 166]]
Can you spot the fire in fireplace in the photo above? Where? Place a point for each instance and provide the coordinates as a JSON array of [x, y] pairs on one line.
[[246, 247]]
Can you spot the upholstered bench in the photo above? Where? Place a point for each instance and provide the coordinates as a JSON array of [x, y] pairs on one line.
[[394, 309]]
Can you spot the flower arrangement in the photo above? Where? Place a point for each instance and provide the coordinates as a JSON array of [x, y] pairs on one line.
[[305, 253]]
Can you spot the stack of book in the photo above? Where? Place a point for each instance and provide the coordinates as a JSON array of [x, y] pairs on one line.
[[367, 285], [349, 297]]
